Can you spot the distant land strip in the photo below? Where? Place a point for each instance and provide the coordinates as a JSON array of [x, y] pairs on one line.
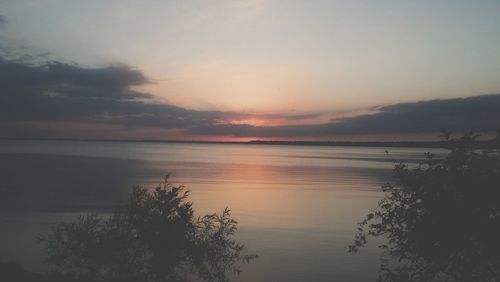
[[480, 144]]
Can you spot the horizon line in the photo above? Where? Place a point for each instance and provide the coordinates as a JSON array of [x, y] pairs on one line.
[[424, 144]]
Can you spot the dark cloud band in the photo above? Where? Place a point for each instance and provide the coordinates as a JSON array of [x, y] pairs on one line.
[[60, 92], [55, 91], [479, 113]]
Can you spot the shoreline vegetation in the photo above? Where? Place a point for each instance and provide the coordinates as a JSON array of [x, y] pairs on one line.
[[440, 219], [154, 236], [444, 144]]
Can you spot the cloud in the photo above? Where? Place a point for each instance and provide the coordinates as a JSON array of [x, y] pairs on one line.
[[58, 91], [479, 113], [34, 90], [41, 91], [459, 114], [2, 20]]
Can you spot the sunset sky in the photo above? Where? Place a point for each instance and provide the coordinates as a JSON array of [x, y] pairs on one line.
[[243, 70]]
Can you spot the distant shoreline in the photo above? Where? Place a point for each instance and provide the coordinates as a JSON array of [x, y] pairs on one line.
[[483, 144]]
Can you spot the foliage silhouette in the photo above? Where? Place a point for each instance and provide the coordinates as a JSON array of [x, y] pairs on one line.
[[154, 237], [441, 218]]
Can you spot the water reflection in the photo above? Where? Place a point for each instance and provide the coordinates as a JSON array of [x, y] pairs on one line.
[[63, 183], [296, 205]]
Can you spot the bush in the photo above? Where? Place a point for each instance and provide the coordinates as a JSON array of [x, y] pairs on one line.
[[441, 219], [153, 237]]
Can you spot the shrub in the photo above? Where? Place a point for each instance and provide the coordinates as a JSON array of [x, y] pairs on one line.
[[441, 219], [153, 237]]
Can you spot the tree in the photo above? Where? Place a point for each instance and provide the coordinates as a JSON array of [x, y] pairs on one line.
[[154, 237], [441, 219]]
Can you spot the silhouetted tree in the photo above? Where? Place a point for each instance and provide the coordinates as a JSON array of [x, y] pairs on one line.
[[153, 237], [440, 219]]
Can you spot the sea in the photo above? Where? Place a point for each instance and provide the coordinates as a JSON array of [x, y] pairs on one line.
[[297, 207]]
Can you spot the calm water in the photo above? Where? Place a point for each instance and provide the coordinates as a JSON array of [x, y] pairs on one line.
[[297, 206]]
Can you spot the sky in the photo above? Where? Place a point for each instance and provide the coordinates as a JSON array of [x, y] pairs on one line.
[[243, 70]]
